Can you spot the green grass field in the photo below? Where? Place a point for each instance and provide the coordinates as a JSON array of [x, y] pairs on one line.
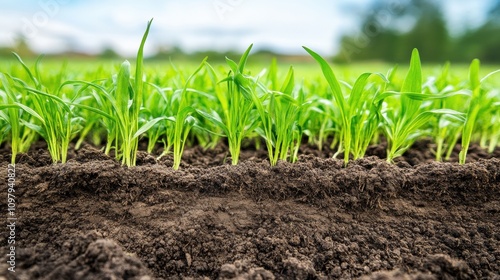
[[303, 70]]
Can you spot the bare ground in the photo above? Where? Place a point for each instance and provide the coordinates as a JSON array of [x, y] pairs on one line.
[[91, 218]]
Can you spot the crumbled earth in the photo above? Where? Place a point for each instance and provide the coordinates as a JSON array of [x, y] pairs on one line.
[[92, 218]]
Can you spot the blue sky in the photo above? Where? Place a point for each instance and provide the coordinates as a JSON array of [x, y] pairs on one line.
[[57, 25]]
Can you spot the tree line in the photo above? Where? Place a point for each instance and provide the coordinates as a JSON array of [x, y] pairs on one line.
[[390, 30]]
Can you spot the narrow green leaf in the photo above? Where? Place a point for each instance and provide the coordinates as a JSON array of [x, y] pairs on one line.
[[8, 106], [38, 129], [31, 112], [53, 97], [94, 110], [289, 83], [357, 91], [332, 81], [489, 75], [413, 80], [272, 76], [232, 65], [27, 69], [412, 83], [139, 82], [474, 74], [215, 118], [148, 125], [122, 87], [243, 59]]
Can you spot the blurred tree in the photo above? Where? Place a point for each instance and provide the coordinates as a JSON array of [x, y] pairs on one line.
[[109, 53], [482, 42], [490, 32], [429, 34], [494, 13], [389, 33], [20, 46]]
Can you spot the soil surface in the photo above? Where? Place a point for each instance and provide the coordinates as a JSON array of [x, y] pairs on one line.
[[92, 218]]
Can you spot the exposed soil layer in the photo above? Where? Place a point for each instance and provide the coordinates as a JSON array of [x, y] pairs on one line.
[[91, 218]]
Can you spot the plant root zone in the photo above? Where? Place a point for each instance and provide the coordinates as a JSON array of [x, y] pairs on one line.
[[91, 218]]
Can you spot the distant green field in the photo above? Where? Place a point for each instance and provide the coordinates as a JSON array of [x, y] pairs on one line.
[[305, 70]]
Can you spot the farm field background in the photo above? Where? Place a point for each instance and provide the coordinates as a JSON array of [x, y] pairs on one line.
[[304, 70]]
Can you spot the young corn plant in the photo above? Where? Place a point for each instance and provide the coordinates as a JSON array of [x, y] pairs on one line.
[[281, 114], [320, 125], [128, 98], [288, 110], [402, 126], [4, 130], [486, 129], [13, 119], [477, 101], [300, 124], [171, 96], [202, 133], [494, 128], [278, 112], [4, 121], [127, 102], [91, 123], [55, 121], [103, 106], [365, 123], [97, 110], [298, 109], [9, 117], [489, 129], [357, 115], [121, 107], [237, 119], [445, 130], [156, 105], [183, 119]]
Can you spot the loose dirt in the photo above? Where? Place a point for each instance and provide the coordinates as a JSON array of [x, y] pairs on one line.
[[91, 218]]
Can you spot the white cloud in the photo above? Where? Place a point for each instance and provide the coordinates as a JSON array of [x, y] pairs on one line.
[[465, 14], [193, 24]]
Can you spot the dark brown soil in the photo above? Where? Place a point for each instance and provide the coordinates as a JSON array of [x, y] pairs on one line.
[[91, 218]]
